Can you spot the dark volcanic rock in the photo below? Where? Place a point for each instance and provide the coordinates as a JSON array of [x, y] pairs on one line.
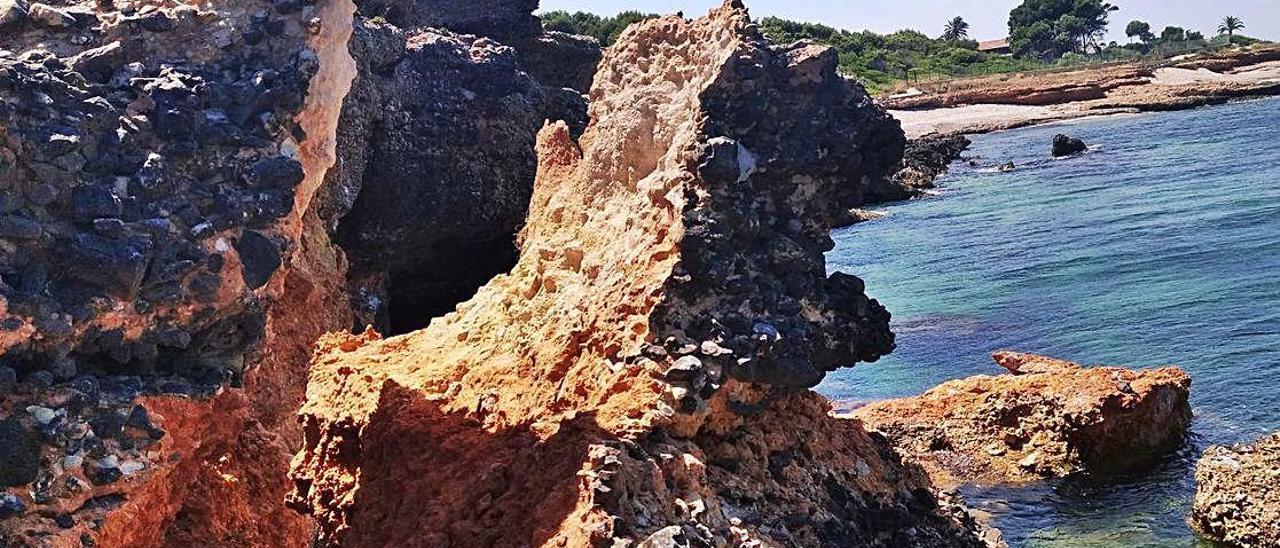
[[129, 165], [260, 257], [19, 454], [437, 138], [557, 59], [501, 20], [1067, 146]]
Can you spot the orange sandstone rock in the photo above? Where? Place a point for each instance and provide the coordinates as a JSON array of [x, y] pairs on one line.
[[1237, 499], [640, 375], [1048, 418]]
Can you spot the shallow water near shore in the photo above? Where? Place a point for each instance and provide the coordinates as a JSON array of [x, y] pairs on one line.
[[1161, 246]]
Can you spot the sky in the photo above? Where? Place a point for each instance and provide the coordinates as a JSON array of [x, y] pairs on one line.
[[988, 18]]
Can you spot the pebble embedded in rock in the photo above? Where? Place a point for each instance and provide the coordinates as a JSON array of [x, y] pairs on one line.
[[259, 256], [42, 415], [108, 425], [49, 16], [11, 505], [684, 369]]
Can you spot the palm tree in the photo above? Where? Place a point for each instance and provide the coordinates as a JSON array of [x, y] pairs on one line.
[[1229, 26], [956, 29]]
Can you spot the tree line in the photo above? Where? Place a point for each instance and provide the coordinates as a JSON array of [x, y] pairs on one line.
[[1040, 32]]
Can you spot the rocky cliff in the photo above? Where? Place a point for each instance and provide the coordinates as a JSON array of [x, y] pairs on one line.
[[177, 186], [639, 374], [437, 165], [156, 169], [1047, 418]]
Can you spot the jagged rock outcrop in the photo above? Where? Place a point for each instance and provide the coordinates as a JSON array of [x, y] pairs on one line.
[[437, 165], [639, 374], [157, 167], [555, 59], [1047, 418], [923, 161], [1237, 500]]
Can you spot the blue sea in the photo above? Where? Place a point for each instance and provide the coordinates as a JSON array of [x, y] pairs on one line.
[[1161, 246]]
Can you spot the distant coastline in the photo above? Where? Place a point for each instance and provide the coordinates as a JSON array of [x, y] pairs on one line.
[[1002, 102]]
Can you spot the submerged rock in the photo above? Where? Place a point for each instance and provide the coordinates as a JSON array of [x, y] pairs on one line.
[[1237, 500], [1067, 146], [1048, 418], [638, 374]]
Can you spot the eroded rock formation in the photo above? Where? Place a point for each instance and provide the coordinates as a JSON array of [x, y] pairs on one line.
[[639, 374], [157, 168], [1047, 418], [437, 166], [1238, 494]]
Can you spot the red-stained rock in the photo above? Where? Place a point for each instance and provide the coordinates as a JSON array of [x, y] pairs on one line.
[[1048, 418]]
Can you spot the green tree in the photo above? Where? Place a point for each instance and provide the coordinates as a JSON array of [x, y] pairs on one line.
[[1195, 35], [1230, 25], [604, 29], [1140, 30], [1049, 28], [956, 29], [1173, 34]]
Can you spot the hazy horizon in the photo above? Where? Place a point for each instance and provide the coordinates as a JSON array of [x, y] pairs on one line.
[[988, 18]]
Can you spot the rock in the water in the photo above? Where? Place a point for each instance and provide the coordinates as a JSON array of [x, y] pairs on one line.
[[19, 454], [1049, 418], [1067, 146], [1237, 500]]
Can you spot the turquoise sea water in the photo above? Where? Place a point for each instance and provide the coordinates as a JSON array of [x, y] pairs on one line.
[[1161, 246]]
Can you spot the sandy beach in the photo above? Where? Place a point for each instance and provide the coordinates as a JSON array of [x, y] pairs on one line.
[[1010, 101]]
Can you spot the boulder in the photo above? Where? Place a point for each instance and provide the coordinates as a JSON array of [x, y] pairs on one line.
[[51, 17], [1237, 501], [13, 13], [1048, 418], [1067, 146]]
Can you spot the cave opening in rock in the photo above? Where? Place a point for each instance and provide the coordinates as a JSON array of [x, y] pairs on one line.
[[420, 291]]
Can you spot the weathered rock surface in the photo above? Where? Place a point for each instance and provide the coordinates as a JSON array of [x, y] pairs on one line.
[[157, 164], [1067, 146], [1238, 494], [1047, 418], [437, 167], [639, 374]]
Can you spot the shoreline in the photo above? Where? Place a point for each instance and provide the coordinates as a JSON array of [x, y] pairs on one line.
[[1021, 100]]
